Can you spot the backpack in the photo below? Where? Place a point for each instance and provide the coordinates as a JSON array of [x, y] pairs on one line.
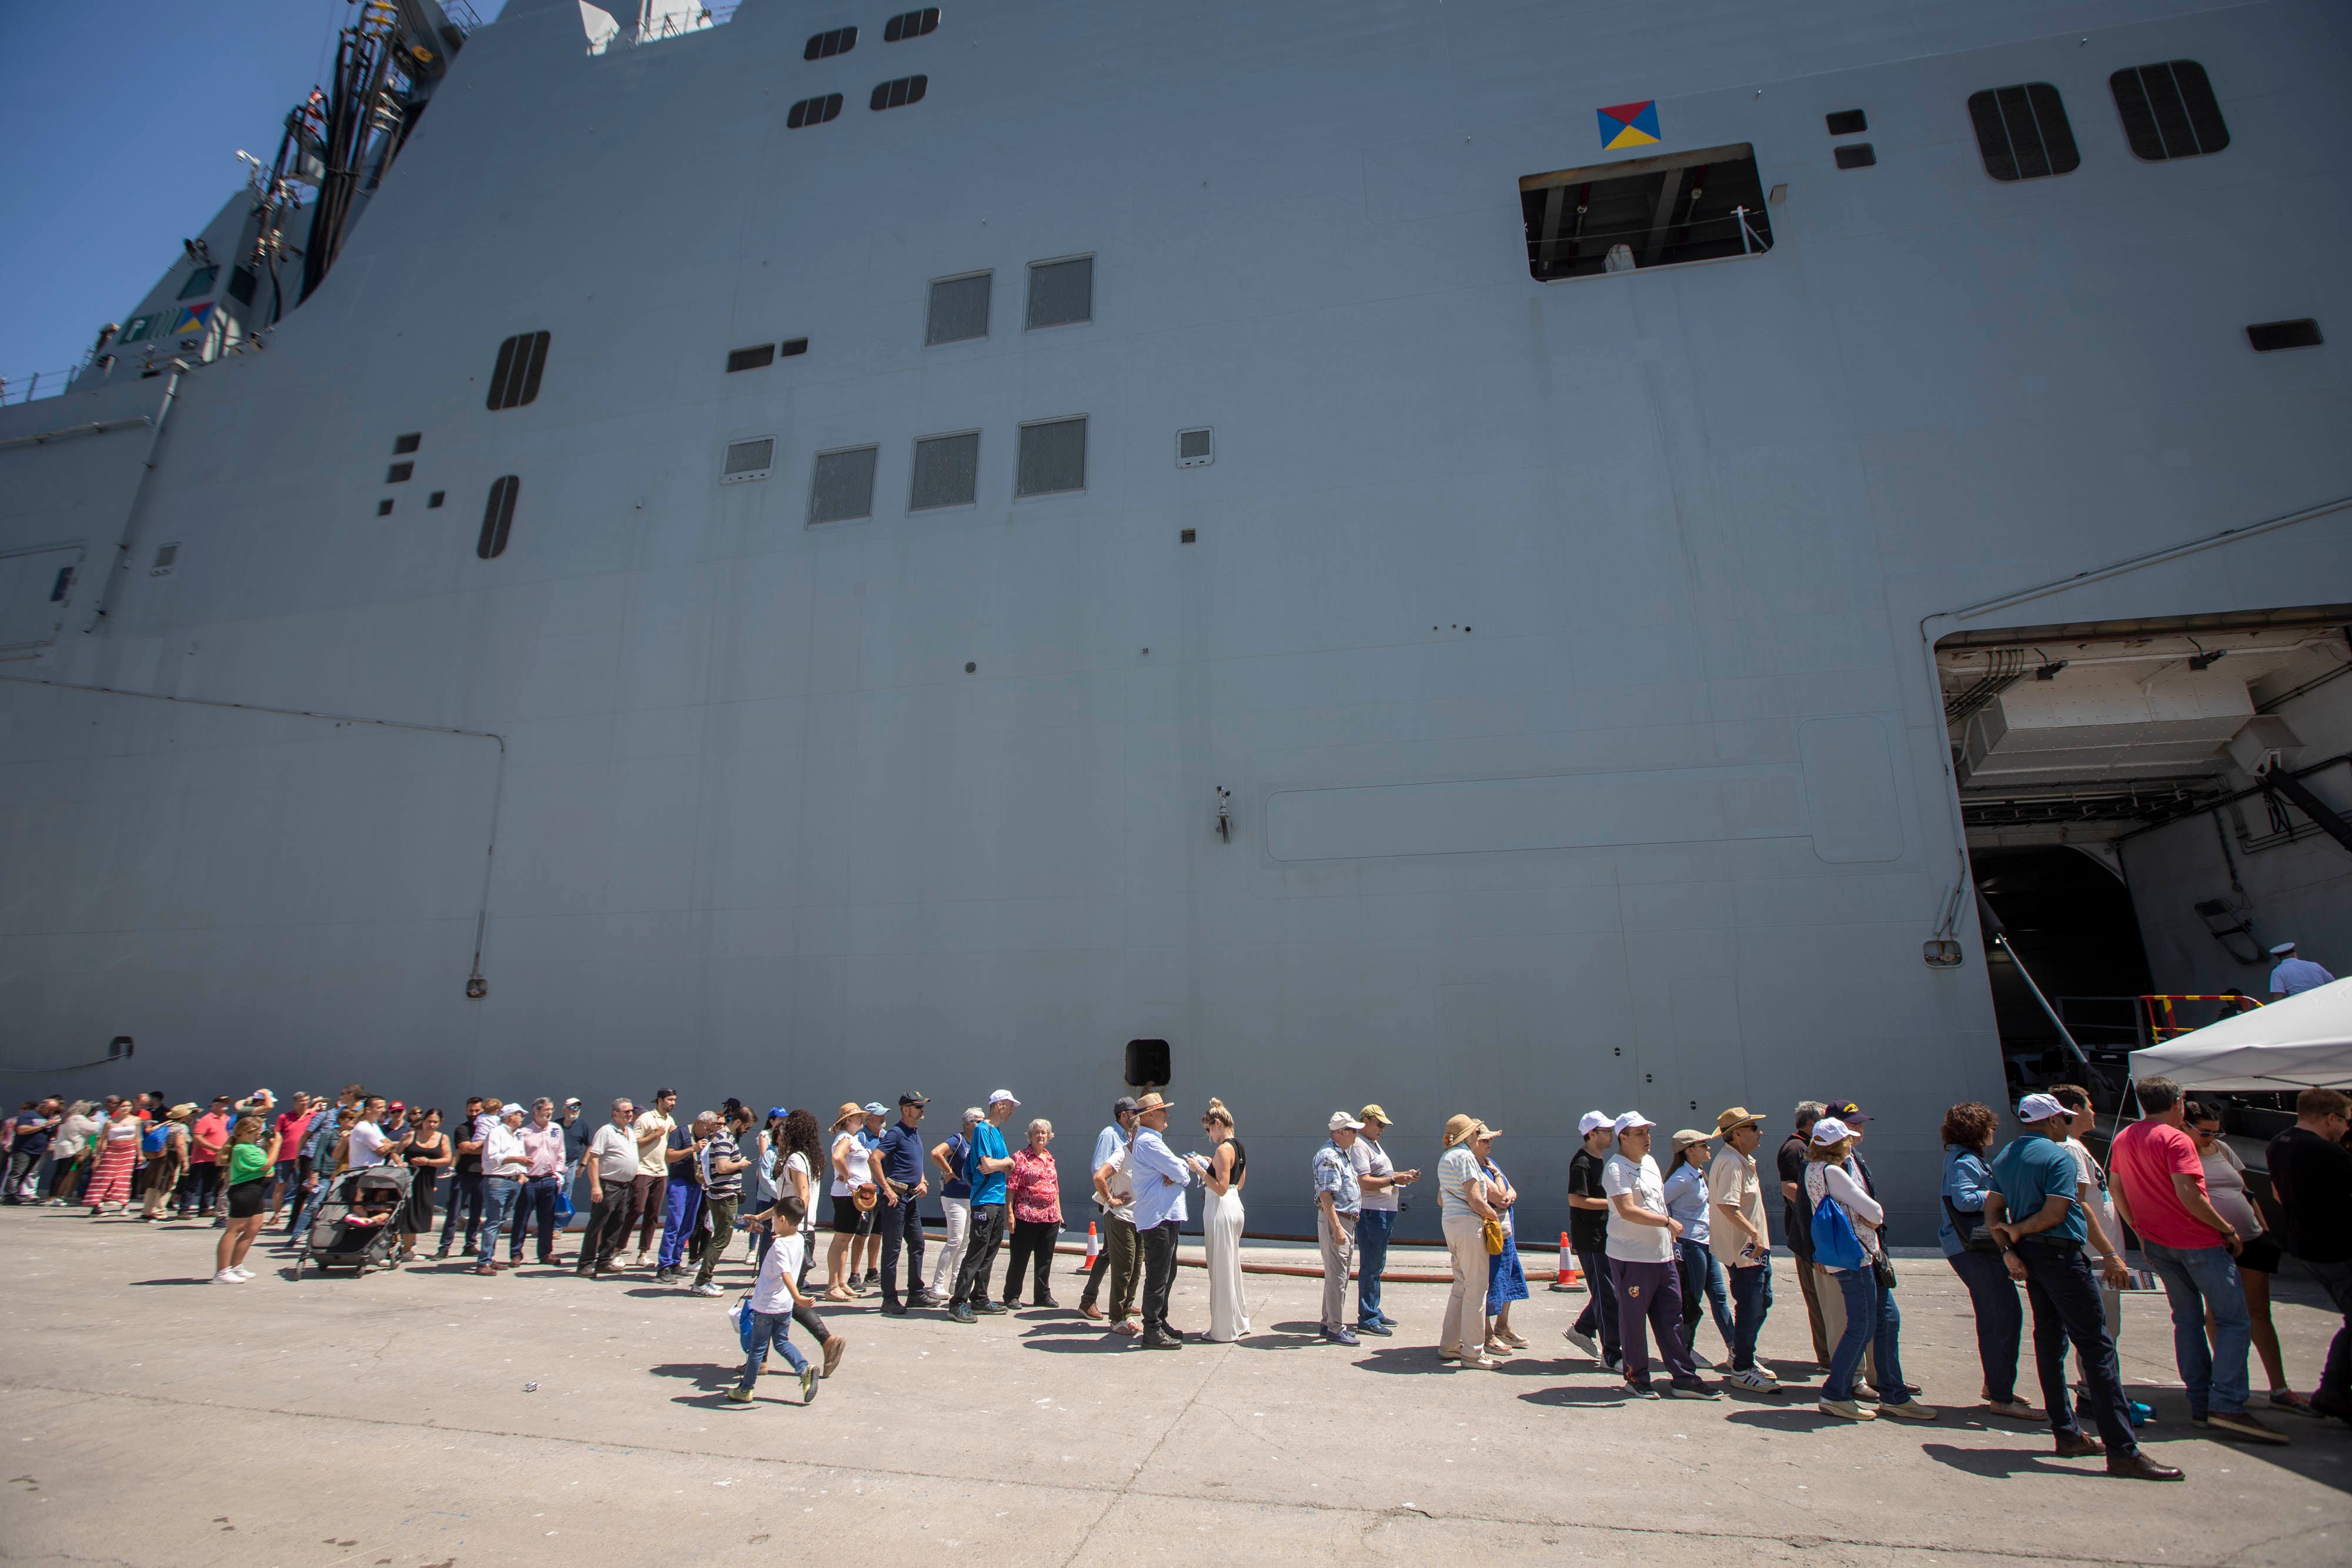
[[154, 1140], [1835, 1246]]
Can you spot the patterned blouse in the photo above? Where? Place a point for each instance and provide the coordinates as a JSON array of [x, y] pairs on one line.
[[1034, 1188]]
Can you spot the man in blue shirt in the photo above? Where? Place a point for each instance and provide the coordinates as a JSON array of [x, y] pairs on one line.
[[984, 1167], [2034, 1212], [1338, 1199], [899, 1152], [1160, 1180], [1115, 1261]]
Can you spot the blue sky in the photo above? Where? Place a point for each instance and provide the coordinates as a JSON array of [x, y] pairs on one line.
[[122, 120]]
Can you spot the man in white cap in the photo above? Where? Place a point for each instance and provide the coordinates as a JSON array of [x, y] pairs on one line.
[[986, 1162], [2292, 974], [1595, 1333], [1641, 1236], [1339, 1198], [2035, 1181], [504, 1162]]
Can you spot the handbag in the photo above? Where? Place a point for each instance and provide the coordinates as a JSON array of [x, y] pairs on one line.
[[741, 1313], [1881, 1268], [1972, 1229], [1493, 1231]]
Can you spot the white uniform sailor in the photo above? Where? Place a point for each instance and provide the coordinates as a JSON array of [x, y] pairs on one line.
[[2294, 974]]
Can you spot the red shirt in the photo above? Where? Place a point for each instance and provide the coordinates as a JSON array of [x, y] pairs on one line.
[[290, 1129], [209, 1129], [2145, 1158], [1036, 1189]]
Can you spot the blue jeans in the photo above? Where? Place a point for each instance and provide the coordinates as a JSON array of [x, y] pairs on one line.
[[2000, 1320], [1873, 1319], [1751, 1298], [499, 1194], [1703, 1291], [1373, 1227], [536, 1201], [767, 1329], [2199, 1280], [681, 1211]]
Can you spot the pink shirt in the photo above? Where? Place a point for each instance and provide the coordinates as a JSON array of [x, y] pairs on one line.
[[545, 1147], [2145, 1158], [212, 1132], [1034, 1187]]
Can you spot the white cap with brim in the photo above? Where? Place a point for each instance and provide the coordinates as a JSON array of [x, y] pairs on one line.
[[1341, 1119], [1002, 1097], [2038, 1108], [1594, 1121], [1830, 1130], [2281, 950], [1631, 1120]]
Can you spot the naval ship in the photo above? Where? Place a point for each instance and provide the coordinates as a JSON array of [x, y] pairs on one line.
[[1490, 556]]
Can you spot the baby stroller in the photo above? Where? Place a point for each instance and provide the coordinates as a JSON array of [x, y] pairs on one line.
[[354, 1229]]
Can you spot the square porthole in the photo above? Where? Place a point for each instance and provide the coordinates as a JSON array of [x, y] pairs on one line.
[[384, 508], [1053, 458], [1195, 447], [1147, 1064], [959, 310], [840, 486], [748, 460], [1187, 536], [433, 501], [1061, 292], [1856, 155], [947, 472]]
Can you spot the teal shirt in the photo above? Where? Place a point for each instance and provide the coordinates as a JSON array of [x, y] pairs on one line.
[[2031, 1171]]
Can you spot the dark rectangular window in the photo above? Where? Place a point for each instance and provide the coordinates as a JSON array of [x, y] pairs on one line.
[[200, 283], [824, 45], [792, 345], [2168, 110], [757, 357], [947, 472], [2023, 132], [1147, 1064], [814, 111], [2268, 337], [404, 444], [911, 25], [242, 281], [1061, 292], [841, 489], [1644, 212], [1848, 122], [1856, 155], [433, 502], [497, 518], [1053, 458], [384, 508], [899, 93], [514, 381], [399, 472], [959, 309]]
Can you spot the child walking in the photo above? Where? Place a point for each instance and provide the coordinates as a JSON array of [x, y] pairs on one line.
[[773, 1298]]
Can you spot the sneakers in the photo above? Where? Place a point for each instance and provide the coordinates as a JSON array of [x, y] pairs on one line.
[[928, 1299], [1049, 1304], [1340, 1336], [991, 1308], [808, 1384], [834, 1348], [2243, 1424], [873, 1278], [645, 1259], [1753, 1380], [708, 1288], [961, 1313], [894, 1309], [1845, 1410], [739, 1396], [1909, 1410], [228, 1277], [2015, 1409], [1382, 1329], [1694, 1389], [1159, 1341], [241, 1270], [1582, 1341], [1640, 1390]]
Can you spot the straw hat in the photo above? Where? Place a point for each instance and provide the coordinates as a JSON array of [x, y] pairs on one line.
[[851, 1111]]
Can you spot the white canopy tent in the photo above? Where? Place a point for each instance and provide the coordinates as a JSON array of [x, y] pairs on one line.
[[2297, 1043]]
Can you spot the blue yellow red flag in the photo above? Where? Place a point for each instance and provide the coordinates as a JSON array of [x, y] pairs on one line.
[[1630, 124], [192, 318]]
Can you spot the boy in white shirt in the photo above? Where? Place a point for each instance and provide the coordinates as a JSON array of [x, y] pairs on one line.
[[773, 1300]]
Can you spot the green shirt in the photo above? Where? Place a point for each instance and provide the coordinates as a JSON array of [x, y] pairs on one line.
[[248, 1162]]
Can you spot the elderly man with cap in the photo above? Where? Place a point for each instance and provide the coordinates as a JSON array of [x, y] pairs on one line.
[[985, 1162], [1740, 1241], [1117, 1260], [2034, 1211], [504, 1162], [2292, 974], [1381, 1183], [542, 1143], [1338, 1201], [1641, 1236], [1596, 1329], [1160, 1180], [899, 1152]]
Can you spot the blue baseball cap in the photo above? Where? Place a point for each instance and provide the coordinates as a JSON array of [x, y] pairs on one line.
[[776, 1111]]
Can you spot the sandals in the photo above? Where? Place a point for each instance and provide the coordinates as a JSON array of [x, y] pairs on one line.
[[2288, 1399]]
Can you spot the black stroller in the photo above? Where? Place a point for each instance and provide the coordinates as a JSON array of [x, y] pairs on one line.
[[356, 1228]]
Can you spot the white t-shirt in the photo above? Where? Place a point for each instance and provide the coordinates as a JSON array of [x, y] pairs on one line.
[[653, 1159], [1371, 1159], [367, 1146], [2225, 1185], [2087, 1172], [1630, 1243], [1121, 1187], [782, 1263], [797, 1161], [859, 1158], [615, 1150]]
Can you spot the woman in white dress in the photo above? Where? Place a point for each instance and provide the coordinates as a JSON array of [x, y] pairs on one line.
[[1224, 1173]]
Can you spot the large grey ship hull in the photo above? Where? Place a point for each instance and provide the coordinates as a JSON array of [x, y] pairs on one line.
[[1567, 647]]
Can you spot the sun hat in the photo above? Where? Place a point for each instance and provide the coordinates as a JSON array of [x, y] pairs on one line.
[[1830, 1130], [850, 1111], [1737, 1116], [1151, 1101]]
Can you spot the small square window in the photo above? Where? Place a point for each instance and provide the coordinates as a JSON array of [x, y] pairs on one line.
[[2269, 337], [1147, 1064], [384, 508], [1195, 447], [841, 489], [200, 283], [403, 444], [242, 282], [2023, 132], [1053, 458], [1848, 122], [167, 560], [959, 309], [757, 357], [1061, 292], [748, 460], [947, 471], [1856, 155], [399, 472], [434, 499], [1186, 536], [791, 347]]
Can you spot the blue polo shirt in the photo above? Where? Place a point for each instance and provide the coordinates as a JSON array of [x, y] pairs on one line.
[[2031, 1171], [988, 1143], [901, 1148]]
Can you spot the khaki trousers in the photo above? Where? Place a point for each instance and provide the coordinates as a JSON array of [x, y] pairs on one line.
[[1339, 1244], [1463, 1327]]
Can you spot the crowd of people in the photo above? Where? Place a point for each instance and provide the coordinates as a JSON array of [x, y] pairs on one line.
[[1662, 1249]]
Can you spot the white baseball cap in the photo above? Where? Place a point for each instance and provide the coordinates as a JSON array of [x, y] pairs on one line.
[[1830, 1130], [1592, 1121], [1003, 1097], [1631, 1120], [1341, 1119], [2040, 1108]]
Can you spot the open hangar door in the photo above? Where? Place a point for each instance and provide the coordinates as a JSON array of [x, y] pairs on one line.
[[2149, 806]]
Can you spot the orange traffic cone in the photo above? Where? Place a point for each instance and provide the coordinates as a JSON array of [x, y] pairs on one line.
[[1094, 1249], [1569, 1275]]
